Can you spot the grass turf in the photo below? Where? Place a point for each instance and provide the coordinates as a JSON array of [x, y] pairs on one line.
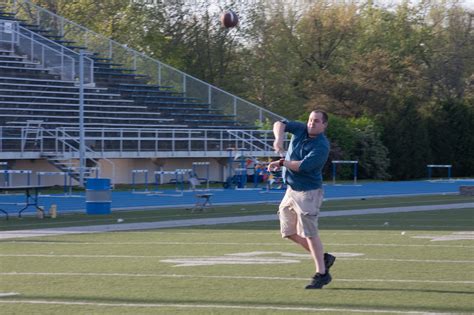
[[135, 216], [247, 268]]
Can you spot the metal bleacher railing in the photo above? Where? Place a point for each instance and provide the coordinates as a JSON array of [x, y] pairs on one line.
[[50, 55], [64, 142], [136, 142], [157, 72]]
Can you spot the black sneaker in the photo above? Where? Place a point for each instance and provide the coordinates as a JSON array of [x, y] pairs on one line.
[[319, 281], [328, 261]]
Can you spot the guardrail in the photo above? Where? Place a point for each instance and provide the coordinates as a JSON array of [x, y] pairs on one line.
[[64, 141]]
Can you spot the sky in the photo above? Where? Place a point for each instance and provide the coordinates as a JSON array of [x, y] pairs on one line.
[[223, 3], [219, 5], [469, 4]]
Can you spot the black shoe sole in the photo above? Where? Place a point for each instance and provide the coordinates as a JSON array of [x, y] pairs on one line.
[[320, 285]]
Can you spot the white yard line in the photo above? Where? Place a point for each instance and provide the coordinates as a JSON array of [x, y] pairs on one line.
[[219, 306], [98, 274], [212, 221], [284, 244], [308, 257], [7, 294]]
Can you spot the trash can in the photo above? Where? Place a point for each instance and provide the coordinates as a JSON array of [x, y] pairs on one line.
[[98, 196]]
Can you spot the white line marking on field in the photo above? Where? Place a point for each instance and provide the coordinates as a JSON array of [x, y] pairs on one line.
[[283, 244], [6, 294], [398, 245], [417, 260], [249, 258], [455, 236], [207, 260], [213, 261], [213, 221], [138, 275], [219, 306]]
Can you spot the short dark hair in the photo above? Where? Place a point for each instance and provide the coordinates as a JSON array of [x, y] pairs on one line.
[[323, 114]]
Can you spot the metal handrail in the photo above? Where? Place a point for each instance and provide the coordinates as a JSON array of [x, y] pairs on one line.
[[126, 140], [64, 136], [245, 135], [51, 55]]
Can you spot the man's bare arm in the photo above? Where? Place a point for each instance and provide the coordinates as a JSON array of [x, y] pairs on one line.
[[279, 133]]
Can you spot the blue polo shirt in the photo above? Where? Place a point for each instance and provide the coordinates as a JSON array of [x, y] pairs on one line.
[[313, 152]]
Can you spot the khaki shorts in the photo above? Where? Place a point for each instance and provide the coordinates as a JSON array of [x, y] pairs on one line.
[[299, 212]]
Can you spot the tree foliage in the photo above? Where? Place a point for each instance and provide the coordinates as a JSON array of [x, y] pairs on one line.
[[399, 80], [358, 139]]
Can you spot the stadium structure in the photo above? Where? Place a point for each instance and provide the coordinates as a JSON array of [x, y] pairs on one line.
[[76, 102]]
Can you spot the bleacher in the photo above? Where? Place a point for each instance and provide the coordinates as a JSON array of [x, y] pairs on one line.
[[134, 107], [55, 102], [119, 97]]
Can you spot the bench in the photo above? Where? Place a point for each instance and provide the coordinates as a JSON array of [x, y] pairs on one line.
[[202, 201], [98, 125], [147, 85]]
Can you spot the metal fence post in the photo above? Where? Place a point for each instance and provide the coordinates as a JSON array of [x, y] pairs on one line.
[[81, 119]]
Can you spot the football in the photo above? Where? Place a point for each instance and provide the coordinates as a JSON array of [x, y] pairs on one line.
[[229, 19]]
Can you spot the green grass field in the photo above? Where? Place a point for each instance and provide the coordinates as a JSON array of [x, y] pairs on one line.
[[405, 263]]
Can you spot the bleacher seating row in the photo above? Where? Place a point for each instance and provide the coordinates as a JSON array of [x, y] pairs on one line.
[[120, 98]]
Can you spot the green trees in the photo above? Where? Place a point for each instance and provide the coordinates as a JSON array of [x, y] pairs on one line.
[[358, 139], [451, 130], [400, 80]]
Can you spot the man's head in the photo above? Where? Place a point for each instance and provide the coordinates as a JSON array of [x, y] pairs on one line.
[[317, 122]]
